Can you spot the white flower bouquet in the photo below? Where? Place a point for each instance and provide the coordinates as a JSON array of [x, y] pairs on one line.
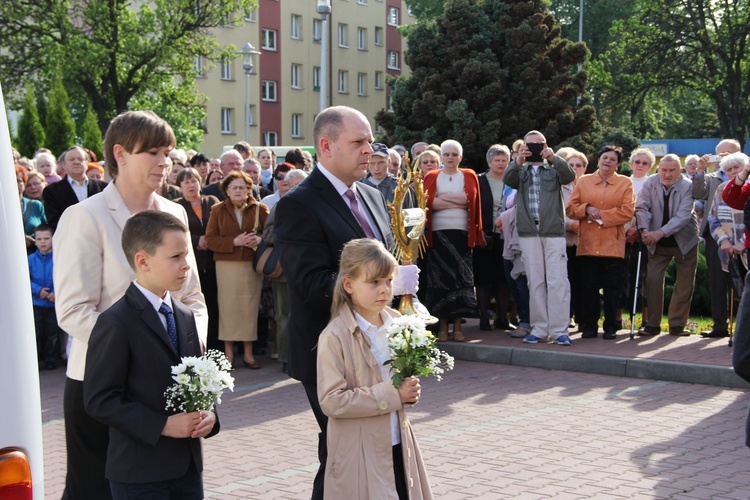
[[199, 382], [413, 350]]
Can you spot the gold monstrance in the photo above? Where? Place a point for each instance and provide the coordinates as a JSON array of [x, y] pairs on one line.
[[411, 244]]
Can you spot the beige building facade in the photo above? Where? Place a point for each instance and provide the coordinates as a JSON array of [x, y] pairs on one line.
[[364, 46]]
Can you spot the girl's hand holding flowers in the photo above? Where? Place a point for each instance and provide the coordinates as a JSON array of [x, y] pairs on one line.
[[410, 390]]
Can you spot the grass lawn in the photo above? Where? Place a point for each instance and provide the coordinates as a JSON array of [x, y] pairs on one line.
[[696, 324]]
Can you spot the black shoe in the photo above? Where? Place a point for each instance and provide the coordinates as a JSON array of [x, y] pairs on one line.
[[714, 334], [257, 351], [609, 335], [484, 325], [589, 334]]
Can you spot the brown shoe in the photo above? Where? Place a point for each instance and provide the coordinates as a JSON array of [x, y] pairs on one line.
[[458, 337], [679, 331], [443, 337], [649, 330]]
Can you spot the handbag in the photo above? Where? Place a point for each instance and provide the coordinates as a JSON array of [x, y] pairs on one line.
[[266, 261]]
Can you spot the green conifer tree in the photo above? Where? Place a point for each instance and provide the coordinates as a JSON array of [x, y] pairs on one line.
[[61, 131], [91, 135], [30, 135]]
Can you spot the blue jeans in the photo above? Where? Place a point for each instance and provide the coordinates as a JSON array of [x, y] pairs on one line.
[[520, 290]]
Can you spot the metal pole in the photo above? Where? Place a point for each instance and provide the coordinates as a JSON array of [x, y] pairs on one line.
[[323, 63], [247, 107]]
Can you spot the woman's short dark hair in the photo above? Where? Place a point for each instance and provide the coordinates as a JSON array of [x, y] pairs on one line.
[[283, 167], [186, 173], [235, 174], [612, 149], [136, 131], [199, 159]]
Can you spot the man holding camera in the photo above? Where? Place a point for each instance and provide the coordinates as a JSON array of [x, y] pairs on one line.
[[538, 175], [704, 189]]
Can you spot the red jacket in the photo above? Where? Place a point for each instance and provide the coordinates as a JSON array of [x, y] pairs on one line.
[[471, 188], [736, 196]]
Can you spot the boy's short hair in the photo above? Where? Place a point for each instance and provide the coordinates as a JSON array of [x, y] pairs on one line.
[[44, 227], [145, 231]]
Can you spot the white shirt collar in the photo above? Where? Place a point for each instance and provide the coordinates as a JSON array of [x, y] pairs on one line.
[[75, 183], [154, 299], [338, 184]]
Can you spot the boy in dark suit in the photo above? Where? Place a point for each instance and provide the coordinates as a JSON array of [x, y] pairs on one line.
[[153, 453]]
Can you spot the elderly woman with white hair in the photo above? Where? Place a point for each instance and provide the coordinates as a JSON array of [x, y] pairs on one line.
[[454, 228], [725, 222]]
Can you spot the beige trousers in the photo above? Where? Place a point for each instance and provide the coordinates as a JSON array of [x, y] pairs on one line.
[[679, 305]]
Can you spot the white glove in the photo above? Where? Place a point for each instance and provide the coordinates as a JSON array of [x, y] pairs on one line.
[[406, 281]]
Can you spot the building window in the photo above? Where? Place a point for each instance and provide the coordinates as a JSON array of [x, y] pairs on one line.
[[361, 38], [269, 39], [378, 80], [316, 78], [269, 90], [393, 59], [296, 125], [200, 70], [362, 2], [226, 68], [296, 70], [227, 123], [317, 30], [296, 27], [342, 82], [270, 139], [390, 103], [250, 15], [361, 84], [343, 39], [393, 16], [378, 35], [251, 115]]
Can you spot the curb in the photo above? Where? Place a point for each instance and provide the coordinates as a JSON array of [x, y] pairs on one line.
[[673, 371]]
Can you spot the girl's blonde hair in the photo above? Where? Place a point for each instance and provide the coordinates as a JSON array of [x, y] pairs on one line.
[[365, 255]]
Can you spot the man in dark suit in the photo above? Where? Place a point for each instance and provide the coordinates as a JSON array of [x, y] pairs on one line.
[[128, 369], [313, 222], [74, 188]]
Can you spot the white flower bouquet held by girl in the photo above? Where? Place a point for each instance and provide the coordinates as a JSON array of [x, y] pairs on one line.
[[200, 381], [413, 350]]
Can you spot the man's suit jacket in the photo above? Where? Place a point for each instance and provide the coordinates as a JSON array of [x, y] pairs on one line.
[[93, 273], [312, 225], [704, 188], [60, 195], [128, 368]]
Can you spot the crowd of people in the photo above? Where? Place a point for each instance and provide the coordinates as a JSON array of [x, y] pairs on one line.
[[540, 244]]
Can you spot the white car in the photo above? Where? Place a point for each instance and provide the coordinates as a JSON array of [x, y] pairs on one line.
[[21, 455]]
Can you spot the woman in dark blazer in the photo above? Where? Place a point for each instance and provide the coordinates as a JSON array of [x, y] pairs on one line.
[[198, 208]]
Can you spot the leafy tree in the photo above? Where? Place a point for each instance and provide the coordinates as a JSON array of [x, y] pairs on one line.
[[91, 136], [113, 51], [487, 72], [668, 45], [426, 9], [30, 135], [60, 129]]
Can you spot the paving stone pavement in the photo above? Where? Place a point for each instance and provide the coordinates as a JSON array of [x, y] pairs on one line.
[[487, 431]]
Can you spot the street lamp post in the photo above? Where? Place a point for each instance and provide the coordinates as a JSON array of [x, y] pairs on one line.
[[248, 52], [324, 9]]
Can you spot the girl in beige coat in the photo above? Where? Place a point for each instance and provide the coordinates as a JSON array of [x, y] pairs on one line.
[[372, 453]]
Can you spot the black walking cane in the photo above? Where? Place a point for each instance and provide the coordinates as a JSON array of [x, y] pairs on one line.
[[637, 288]]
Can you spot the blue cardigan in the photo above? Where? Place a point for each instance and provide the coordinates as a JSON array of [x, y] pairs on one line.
[[34, 217], [40, 272]]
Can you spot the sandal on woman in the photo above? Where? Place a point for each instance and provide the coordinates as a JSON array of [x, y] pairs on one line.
[[443, 337], [458, 336]]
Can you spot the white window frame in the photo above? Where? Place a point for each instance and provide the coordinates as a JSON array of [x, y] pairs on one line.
[[251, 117], [316, 78], [269, 87], [227, 121], [250, 15], [393, 16], [362, 2], [296, 27], [296, 72], [296, 125], [379, 36], [393, 55], [343, 32], [362, 84], [343, 77], [269, 39], [317, 30], [269, 137], [200, 69], [361, 38], [378, 80], [226, 68]]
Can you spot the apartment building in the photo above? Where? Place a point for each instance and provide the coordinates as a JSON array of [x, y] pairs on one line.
[[364, 46]]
